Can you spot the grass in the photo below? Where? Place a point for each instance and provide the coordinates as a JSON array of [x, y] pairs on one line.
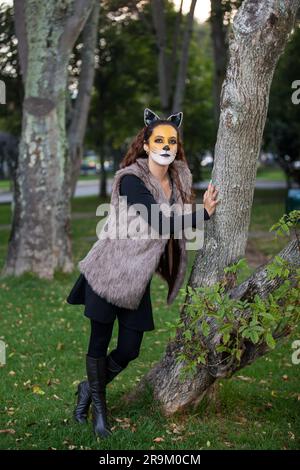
[[271, 174], [46, 344]]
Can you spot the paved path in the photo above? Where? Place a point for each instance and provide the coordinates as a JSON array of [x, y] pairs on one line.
[[91, 188]]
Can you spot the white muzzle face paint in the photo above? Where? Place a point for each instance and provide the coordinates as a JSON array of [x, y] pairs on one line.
[[162, 158]]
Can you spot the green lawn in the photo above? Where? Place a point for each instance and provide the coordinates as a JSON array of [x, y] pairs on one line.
[[46, 345], [271, 174]]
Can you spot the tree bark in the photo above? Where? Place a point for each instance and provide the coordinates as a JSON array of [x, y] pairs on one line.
[[40, 236], [260, 32]]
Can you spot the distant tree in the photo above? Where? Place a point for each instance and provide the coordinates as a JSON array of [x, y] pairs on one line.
[[172, 99], [79, 109]]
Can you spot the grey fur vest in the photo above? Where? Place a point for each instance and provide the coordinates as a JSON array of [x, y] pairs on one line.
[[119, 269]]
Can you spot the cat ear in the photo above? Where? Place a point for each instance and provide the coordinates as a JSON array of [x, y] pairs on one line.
[[176, 118], [150, 116]]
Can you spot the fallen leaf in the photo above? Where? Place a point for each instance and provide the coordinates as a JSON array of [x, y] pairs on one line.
[[37, 390], [57, 397], [228, 444], [244, 378]]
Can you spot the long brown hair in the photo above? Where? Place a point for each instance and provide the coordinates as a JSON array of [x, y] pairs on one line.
[[136, 151]]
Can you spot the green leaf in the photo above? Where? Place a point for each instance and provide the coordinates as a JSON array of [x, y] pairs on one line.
[[201, 359], [270, 340], [187, 334], [226, 337], [205, 328]]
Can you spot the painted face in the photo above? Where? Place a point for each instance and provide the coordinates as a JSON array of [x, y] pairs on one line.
[[162, 144]]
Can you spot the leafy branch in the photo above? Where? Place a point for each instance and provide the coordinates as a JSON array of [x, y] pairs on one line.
[[240, 324]]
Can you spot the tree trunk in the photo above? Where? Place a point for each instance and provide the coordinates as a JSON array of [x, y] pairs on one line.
[[173, 58], [260, 32], [102, 180], [218, 35], [159, 23], [183, 64], [40, 237], [77, 126]]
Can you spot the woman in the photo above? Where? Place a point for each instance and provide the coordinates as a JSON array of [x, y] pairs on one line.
[[116, 273]]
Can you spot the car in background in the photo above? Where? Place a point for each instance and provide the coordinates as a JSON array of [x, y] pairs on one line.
[[90, 165]]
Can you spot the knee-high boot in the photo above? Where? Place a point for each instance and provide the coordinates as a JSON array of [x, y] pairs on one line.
[[83, 393], [96, 373]]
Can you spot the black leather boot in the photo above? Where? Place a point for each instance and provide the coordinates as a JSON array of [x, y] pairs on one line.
[[84, 400], [96, 373]]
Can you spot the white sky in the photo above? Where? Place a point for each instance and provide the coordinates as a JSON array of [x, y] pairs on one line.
[[202, 9]]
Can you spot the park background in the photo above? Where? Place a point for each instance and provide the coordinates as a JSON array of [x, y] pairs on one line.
[[122, 47]]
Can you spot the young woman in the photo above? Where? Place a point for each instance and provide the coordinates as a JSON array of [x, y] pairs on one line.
[[116, 273]]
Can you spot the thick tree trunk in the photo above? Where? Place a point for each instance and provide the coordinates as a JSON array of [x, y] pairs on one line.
[[40, 237], [260, 32]]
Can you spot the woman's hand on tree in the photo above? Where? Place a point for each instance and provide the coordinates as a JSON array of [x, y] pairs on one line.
[[210, 199]]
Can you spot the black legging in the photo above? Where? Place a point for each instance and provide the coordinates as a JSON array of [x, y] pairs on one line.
[[128, 346]]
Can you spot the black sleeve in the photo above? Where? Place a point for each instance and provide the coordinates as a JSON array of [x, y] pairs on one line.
[[137, 193]]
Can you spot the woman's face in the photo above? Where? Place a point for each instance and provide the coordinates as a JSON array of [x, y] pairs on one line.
[[163, 143]]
